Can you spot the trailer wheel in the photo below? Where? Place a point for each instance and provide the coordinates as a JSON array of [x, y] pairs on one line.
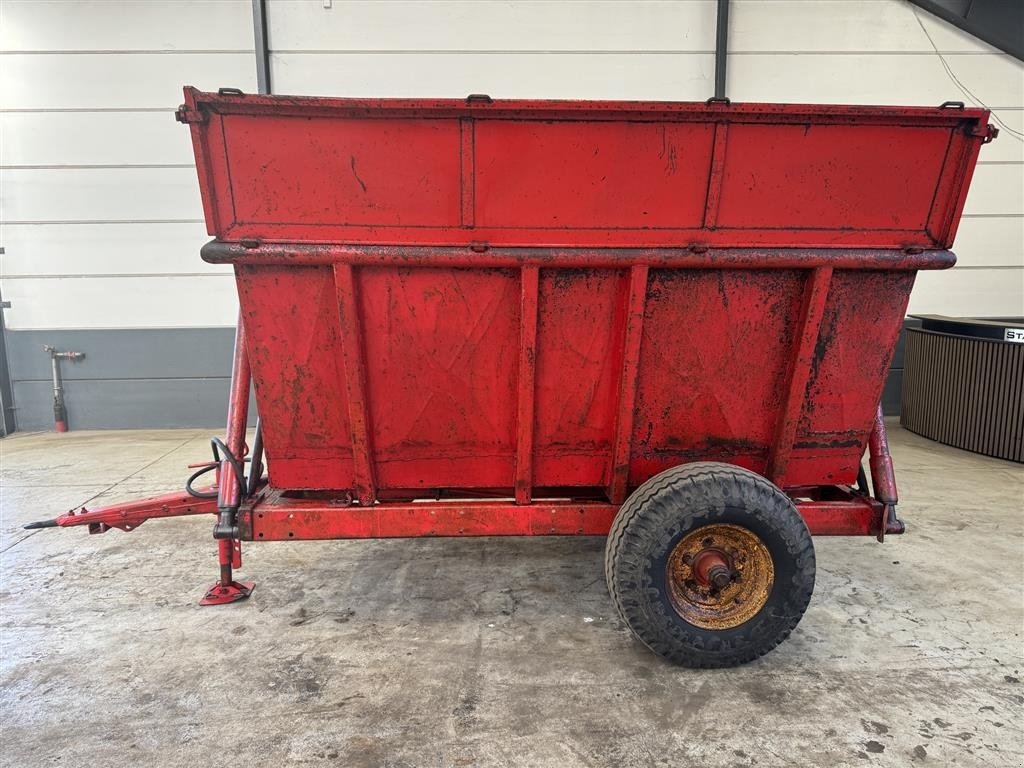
[[709, 565]]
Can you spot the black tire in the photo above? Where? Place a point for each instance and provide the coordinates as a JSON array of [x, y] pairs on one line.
[[670, 506]]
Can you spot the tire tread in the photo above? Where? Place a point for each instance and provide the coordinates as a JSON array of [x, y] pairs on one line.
[[637, 517]]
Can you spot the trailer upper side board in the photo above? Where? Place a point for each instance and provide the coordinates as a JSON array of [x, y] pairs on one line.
[[592, 174]]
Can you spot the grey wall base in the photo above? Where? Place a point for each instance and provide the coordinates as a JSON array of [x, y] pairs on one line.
[[894, 383], [157, 378], [161, 378]]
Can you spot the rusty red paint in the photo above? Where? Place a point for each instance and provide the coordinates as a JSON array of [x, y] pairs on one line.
[[350, 333], [746, 269], [275, 517], [545, 304], [238, 414], [230, 482], [881, 462], [625, 409], [527, 383], [717, 173], [793, 176], [883, 478], [443, 297], [815, 297], [711, 566], [226, 589], [130, 515], [693, 257]]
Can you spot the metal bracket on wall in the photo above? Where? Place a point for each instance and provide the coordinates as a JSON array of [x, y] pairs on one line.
[[60, 411], [7, 421]]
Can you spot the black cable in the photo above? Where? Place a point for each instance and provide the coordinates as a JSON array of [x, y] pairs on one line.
[[218, 447], [862, 481], [216, 442], [256, 467], [195, 476]]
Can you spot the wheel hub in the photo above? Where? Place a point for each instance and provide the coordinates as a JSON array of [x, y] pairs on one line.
[[711, 568], [719, 576]]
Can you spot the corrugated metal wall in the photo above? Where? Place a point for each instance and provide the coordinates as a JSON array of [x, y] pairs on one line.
[[101, 214], [966, 392]]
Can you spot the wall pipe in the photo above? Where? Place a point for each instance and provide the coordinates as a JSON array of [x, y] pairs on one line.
[[721, 47], [261, 45]]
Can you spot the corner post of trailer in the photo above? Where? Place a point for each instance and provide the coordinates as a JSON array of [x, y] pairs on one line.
[[883, 477]]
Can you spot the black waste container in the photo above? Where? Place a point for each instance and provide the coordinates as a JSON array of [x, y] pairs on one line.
[[963, 383]]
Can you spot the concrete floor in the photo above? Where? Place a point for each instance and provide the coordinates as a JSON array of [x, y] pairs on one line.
[[487, 652]]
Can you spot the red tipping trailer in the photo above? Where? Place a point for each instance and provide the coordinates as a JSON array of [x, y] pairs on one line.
[[670, 323]]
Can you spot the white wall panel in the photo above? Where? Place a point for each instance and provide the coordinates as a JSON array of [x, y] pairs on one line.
[[844, 25], [990, 241], [94, 138], [874, 79], [104, 249], [1009, 145], [134, 302], [476, 25], [996, 189], [853, 51], [969, 292], [48, 249], [832, 25], [100, 194], [112, 25], [121, 302], [996, 80], [117, 80], [501, 75]]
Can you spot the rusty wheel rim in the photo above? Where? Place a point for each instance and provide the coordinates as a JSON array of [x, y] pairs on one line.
[[719, 576]]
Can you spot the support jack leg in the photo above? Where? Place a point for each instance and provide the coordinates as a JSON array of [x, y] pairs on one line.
[[883, 478], [227, 590]]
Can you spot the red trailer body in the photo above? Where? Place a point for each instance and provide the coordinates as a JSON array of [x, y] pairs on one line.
[[477, 317], [485, 295]]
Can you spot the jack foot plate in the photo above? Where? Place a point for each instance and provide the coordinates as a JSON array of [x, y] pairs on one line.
[[218, 594]]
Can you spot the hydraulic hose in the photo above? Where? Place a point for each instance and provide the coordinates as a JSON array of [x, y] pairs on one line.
[[218, 447]]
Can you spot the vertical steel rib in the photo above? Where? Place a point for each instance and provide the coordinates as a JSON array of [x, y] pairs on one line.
[[355, 383]]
